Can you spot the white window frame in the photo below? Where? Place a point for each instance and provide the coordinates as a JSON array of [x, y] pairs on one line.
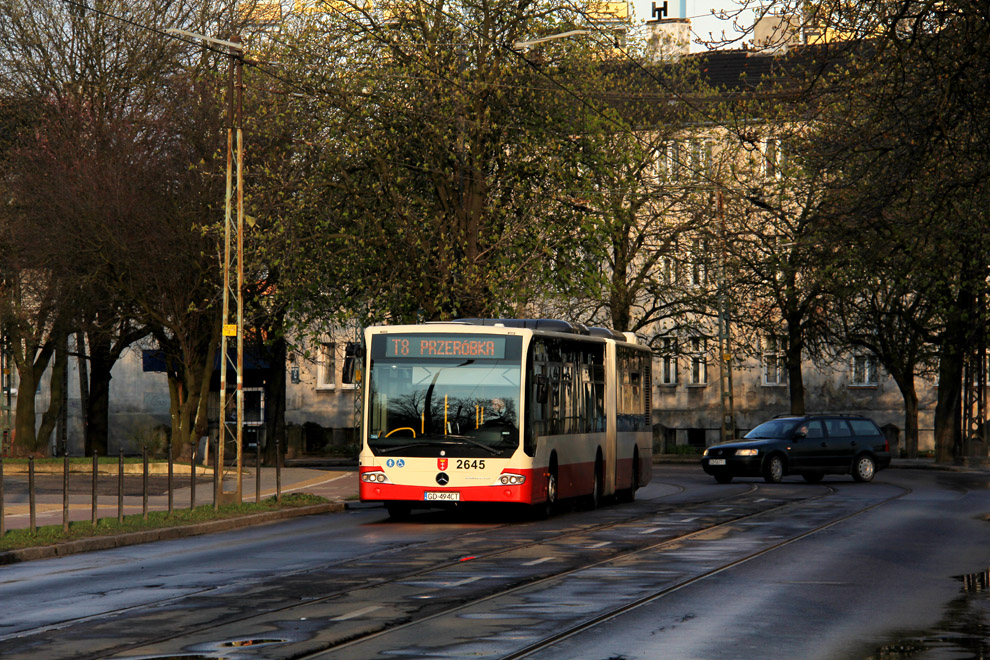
[[698, 373], [774, 361], [668, 361], [864, 371], [672, 162], [773, 157], [326, 366], [700, 158], [670, 270], [698, 271]]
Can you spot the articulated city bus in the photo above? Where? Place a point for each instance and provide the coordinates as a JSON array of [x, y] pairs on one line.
[[518, 411]]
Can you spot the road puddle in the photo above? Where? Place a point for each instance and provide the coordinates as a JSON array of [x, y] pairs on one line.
[[962, 634]]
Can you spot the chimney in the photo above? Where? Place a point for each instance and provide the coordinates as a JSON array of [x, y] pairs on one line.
[[669, 38]]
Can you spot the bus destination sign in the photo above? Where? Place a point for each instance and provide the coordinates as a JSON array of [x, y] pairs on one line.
[[475, 347]]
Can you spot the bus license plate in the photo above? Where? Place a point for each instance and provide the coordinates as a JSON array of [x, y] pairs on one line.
[[716, 461], [441, 497]]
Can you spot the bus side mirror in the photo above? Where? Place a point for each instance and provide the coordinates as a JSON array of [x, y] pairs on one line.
[[351, 370]]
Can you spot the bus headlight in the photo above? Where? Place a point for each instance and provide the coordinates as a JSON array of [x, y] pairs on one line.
[[375, 477], [510, 479]]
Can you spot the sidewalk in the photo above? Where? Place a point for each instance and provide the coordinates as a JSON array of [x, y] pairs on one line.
[[335, 484]]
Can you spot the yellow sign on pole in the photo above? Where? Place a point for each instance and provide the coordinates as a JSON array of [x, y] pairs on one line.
[[229, 329]]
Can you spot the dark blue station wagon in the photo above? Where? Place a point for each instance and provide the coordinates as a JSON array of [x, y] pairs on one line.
[[809, 445]]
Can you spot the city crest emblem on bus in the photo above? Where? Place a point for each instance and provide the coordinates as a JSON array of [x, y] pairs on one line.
[[442, 464]]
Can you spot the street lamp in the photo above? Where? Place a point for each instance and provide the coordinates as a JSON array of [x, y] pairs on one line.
[[232, 263]]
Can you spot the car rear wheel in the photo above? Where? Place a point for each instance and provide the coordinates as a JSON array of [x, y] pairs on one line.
[[773, 469], [865, 468]]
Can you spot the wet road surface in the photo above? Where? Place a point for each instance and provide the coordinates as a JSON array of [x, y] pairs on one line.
[[692, 569]]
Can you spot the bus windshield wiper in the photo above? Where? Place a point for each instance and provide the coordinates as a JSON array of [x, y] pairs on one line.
[[389, 450], [445, 442], [471, 441]]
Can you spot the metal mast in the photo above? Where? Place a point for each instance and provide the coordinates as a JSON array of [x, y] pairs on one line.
[[231, 425]]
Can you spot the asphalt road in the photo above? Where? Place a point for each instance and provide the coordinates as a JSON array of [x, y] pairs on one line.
[[893, 569]]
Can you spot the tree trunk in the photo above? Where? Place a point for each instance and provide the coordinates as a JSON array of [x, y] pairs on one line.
[[910, 395], [275, 404], [82, 360], [948, 412], [30, 367], [98, 401], [56, 390], [795, 377], [25, 438]]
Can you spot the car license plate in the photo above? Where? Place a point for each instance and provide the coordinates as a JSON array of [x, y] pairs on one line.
[[441, 497], [716, 461]]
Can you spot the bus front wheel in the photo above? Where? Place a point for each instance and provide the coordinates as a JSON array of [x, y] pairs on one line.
[[545, 510], [398, 510]]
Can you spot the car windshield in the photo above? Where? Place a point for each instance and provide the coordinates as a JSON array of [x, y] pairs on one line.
[[420, 402], [774, 429]]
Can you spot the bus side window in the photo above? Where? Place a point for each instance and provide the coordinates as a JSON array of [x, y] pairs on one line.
[[542, 388]]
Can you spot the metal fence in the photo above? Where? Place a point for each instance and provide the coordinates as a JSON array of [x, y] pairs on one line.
[[96, 479]]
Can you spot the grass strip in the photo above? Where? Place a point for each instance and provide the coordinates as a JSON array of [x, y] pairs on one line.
[[51, 534]]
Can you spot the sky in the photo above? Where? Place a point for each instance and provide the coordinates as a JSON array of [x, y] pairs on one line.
[[700, 13]]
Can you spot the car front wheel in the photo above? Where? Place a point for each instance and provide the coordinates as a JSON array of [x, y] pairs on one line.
[[865, 468], [773, 470]]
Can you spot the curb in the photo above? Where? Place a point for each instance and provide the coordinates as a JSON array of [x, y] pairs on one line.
[[162, 534], [131, 469]]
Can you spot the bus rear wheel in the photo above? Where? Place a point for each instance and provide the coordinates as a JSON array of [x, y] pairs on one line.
[[630, 494], [594, 500]]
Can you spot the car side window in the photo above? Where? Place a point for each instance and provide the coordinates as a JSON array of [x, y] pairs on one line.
[[864, 427], [837, 428], [815, 429]]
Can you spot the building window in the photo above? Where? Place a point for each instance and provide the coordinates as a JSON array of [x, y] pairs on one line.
[[774, 158], [864, 371], [327, 367], [698, 274], [672, 161], [699, 362], [668, 361], [669, 270], [701, 158], [774, 361]]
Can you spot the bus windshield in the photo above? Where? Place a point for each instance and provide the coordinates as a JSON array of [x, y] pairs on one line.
[[459, 393]]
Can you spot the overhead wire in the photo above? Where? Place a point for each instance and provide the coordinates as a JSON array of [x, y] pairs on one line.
[[306, 90]]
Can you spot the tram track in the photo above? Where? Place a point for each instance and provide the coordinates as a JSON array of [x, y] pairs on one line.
[[653, 597], [355, 632], [703, 517], [339, 564], [356, 643], [474, 539]]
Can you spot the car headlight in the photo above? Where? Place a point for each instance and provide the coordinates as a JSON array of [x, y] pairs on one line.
[[747, 452], [705, 453]]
